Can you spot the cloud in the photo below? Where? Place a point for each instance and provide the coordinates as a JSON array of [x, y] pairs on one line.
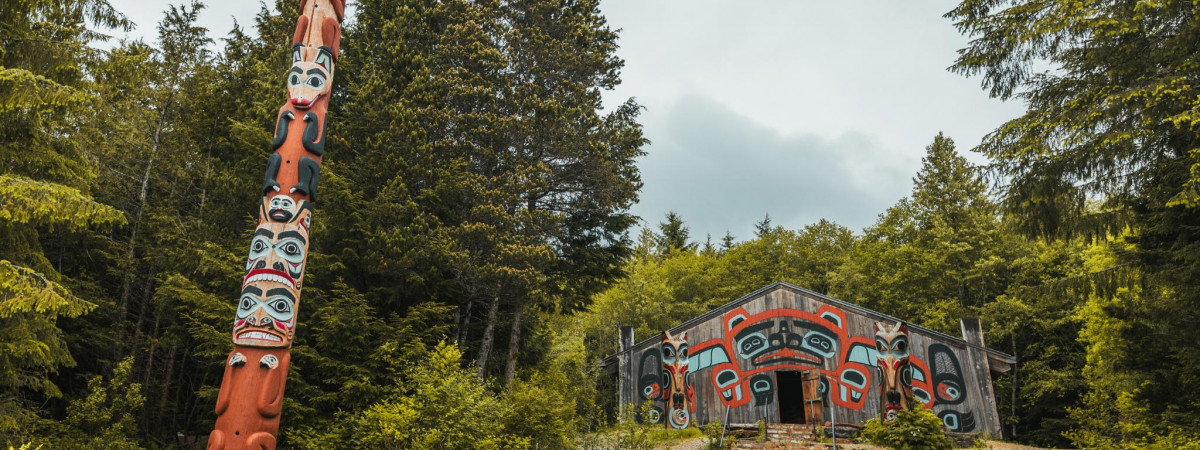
[[723, 171]]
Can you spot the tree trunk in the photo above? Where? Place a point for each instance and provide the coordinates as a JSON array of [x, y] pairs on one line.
[[460, 335], [143, 199], [167, 382], [1013, 406], [514, 343], [485, 347]]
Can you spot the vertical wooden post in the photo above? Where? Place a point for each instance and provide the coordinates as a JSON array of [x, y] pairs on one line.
[[980, 369], [625, 384], [251, 398]]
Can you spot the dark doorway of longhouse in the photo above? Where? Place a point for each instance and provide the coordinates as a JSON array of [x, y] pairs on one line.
[[790, 386]]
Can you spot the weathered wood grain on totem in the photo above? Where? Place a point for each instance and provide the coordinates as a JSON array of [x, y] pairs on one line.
[[952, 373]]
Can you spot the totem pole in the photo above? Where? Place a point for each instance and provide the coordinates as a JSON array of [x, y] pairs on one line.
[[676, 390], [891, 341], [251, 397]]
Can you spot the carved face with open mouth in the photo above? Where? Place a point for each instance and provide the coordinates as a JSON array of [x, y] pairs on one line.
[[265, 318], [278, 250], [276, 257], [310, 76], [281, 208]]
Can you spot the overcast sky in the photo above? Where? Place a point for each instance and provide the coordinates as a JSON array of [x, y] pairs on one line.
[[801, 109]]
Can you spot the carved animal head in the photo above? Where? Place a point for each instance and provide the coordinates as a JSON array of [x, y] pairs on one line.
[[892, 345], [311, 75], [676, 392]]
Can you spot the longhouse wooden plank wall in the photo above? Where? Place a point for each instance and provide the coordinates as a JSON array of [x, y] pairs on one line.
[[734, 353]]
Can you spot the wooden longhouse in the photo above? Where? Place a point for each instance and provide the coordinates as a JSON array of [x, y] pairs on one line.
[[785, 354]]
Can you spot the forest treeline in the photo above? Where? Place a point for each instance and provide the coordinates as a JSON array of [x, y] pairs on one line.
[[473, 251]]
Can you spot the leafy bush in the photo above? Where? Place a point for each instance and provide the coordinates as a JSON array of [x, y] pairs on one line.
[[712, 434], [446, 408], [912, 430]]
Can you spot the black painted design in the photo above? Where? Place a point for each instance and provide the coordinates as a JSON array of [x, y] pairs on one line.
[[281, 129], [309, 172], [949, 388], [649, 385], [947, 375], [763, 389], [269, 182], [958, 422], [314, 128]]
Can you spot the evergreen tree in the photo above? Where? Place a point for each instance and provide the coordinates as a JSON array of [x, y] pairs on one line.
[[44, 198], [1107, 148], [934, 256], [727, 241], [674, 235], [763, 227]]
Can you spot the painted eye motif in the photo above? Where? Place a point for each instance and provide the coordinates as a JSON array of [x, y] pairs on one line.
[[316, 82], [259, 247], [281, 306], [291, 250], [294, 80], [900, 348], [246, 306]]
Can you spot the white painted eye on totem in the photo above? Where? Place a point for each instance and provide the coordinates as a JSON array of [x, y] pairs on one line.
[[247, 305], [259, 247], [316, 82], [295, 77], [280, 308], [291, 250], [900, 347]]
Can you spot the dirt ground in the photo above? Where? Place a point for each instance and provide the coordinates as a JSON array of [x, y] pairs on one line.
[[699, 444]]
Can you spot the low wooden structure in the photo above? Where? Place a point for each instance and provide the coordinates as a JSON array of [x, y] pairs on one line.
[[785, 354]]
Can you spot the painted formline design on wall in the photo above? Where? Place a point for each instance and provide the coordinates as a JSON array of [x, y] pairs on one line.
[[251, 397], [792, 339]]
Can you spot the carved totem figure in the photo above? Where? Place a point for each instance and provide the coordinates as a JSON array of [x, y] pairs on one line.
[[677, 392], [891, 343], [251, 397]]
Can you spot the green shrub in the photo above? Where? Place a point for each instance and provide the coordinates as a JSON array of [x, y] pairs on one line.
[[912, 430], [712, 434]]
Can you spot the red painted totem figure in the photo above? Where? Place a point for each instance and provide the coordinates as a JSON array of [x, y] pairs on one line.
[[251, 398], [677, 393], [891, 343]]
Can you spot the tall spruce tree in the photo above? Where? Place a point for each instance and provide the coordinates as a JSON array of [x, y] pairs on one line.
[[44, 198], [1108, 148]]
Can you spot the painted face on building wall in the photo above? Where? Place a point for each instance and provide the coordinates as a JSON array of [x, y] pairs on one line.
[[785, 339], [265, 317], [677, 392], [892, 345], [311, 75]]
